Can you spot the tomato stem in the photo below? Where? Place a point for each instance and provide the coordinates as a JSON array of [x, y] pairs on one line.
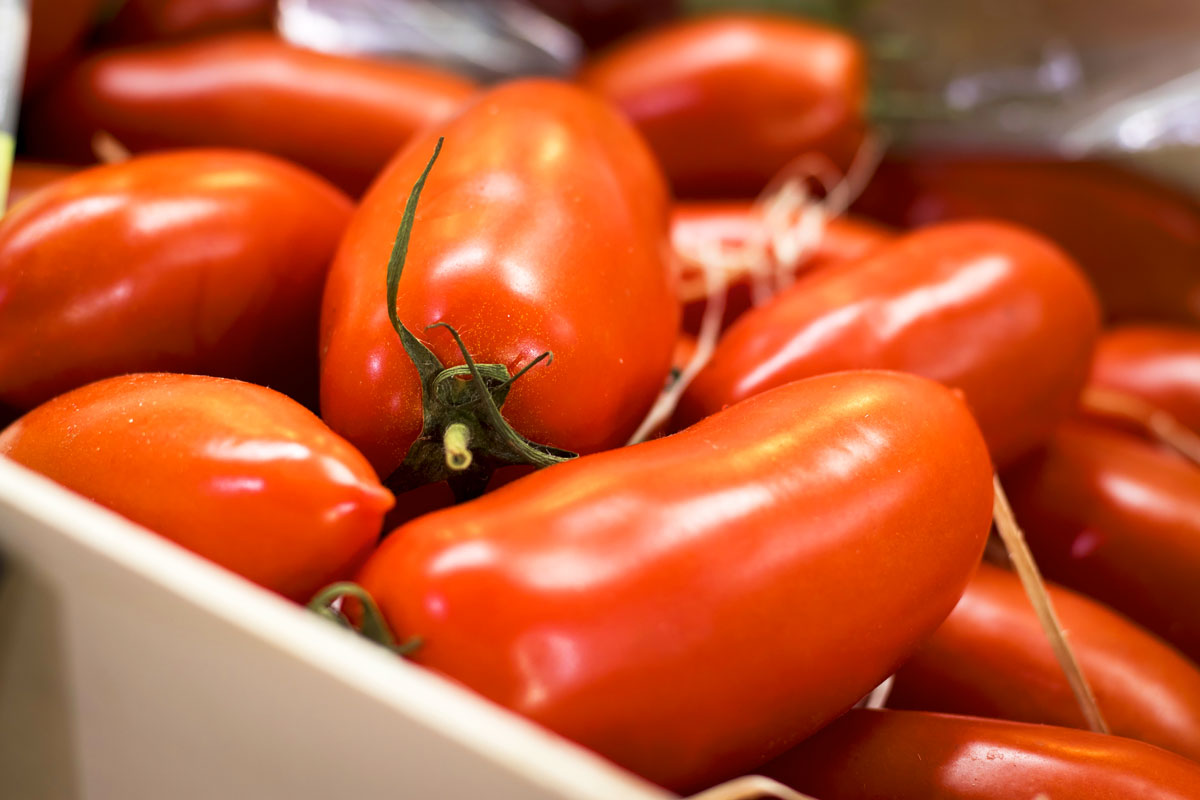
[[328, 603], [464, 437], [456, 441]]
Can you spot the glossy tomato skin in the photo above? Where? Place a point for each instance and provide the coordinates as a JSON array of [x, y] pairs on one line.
[[29, 176], [158, 20], [990, 658], [727, 225], [1137, 240], [1159, 364], [985, 307], [691, 606], [339, 116], [912, 755], [203, 261], [56, 28], [1113, 517], [543, 226], [727, 101], [235, 472]]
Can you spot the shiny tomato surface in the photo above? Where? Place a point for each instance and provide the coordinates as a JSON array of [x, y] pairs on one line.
[[911, 755], [339, 116], [542, 227], [991, 658], [727, 101], [1158, 364], [1113, 517], [235, 472], [691, 606], [1138, 240], [207, 261], [727, 226], [985, 307]]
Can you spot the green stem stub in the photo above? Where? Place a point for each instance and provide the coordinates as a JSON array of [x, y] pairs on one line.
[[464, 437], [372, 626]]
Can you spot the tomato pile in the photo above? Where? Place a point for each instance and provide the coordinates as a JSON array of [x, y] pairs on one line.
[[592, 396]]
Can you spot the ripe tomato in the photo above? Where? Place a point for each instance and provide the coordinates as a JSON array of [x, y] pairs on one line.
[[988, 308], [235, 472], [991, 658], [55, 29], [156, 20], [693, 605], [727, 101], [203, 261], [910, 755], [1137, 240], [542, 227], [29, 176], [729, 225], [1112, 517], [341, 117], [1159, 364]]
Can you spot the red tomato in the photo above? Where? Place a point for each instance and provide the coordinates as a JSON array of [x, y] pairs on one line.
[[55, 30], [731, 224], [203, 261], [341, 117], [542, 228], [1159, 364], [29, 176], [1137, 240], [988, 308], [1114, 518], [991, 658], [727, 101], [693, 605], [235, 472], [910, 755], [155, 20]]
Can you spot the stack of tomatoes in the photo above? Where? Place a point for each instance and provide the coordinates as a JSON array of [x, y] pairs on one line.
[[431, 389]]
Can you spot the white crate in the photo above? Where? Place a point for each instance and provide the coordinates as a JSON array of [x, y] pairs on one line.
[[132, 670]]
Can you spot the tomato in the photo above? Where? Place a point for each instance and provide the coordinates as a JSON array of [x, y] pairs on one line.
[[339, 116], [727, 101], [991, 658], [1158, 364], [1137, 240], [910, 755], [203, 261], [543, 227], [235, 472], [726, 226], [155, 20], [1112, 517], [55, 29], [988, 308], [29, 176], [693, 605]]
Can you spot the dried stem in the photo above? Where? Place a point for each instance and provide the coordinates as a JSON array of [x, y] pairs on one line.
[[1031, 579], [1159, 424]]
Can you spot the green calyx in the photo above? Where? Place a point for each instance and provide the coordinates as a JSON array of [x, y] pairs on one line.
[[372, 625], [464, 437]]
